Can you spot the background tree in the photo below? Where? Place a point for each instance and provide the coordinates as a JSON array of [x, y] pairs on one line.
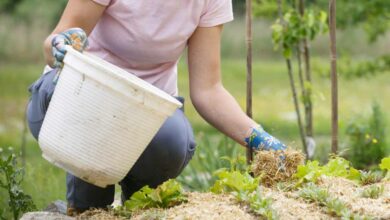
[[293, 30]]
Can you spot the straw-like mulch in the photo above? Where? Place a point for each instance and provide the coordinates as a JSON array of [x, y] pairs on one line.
[[272, 169], [351, 193], [288, 205]]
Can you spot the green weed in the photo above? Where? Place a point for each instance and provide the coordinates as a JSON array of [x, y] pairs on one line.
[[373, 191], [336, 167], [333, 206], [370, 177], [367, 139], [168, 194], [11, 178], [245, 188]]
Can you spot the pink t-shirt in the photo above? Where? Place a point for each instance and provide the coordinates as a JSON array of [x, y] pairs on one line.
[[147, 37]]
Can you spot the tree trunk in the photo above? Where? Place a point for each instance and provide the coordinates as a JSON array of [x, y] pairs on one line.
[[296, 104], [308, 104], [299, 59], [333, 62], [249, 151]]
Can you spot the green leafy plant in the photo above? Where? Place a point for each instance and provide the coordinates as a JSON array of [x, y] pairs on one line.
[[168, 194], [334, 206], [370, 177], [198, 175], [237, 163], [313, 193], [367, 139], [11, 178], [336, 167], [385, 166], [245, 188], [236, 182], [293, 28], [260, 205], [352, 69], [373, 191]]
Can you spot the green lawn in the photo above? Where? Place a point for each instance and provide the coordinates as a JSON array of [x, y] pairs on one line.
[[272, 102]]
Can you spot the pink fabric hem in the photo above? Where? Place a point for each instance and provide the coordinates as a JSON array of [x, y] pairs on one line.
[[102, 2], [217, 21]]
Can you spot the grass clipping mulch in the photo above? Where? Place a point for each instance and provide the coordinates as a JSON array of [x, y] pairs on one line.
[[200, 206], [266, 164]]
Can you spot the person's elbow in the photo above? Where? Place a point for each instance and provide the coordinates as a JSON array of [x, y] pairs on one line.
[[203, 96]]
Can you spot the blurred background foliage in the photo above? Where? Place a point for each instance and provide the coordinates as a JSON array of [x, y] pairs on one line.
[[363, 47]]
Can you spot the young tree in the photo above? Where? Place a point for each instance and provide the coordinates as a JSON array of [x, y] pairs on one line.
[[306, 86], [287, 55], [295, 27]]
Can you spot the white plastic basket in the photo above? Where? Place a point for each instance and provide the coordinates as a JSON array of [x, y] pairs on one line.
[[100, 119]]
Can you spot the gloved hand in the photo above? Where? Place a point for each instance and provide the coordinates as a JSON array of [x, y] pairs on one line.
[[75, 37], [261, 140]]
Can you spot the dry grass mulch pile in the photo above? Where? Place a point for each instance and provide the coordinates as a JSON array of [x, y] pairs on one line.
[[267, 165]]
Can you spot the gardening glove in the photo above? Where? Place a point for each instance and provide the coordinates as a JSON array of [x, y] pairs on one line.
[[261, 140], [75, 37]]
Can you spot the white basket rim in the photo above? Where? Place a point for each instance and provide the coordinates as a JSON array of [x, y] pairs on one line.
[[122, 74]]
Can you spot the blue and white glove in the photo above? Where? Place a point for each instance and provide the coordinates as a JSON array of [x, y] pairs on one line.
[[261, 140], [75, 37]]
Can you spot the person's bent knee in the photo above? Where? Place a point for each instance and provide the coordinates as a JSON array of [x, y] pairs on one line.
[[35, 126], [166, 155], [41, 91], [175, 143]]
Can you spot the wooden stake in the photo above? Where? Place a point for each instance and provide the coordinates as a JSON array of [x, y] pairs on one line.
[[249, 151], [333, 62]]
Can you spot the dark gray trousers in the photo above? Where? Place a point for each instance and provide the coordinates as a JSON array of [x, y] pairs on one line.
[[164, 158]]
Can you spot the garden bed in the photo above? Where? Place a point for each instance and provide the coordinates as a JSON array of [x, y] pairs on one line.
[[288, 205], [333, 191]]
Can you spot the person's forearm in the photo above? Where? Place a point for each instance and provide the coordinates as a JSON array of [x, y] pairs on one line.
[[82, 14], [49, 59], [218, 107]]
